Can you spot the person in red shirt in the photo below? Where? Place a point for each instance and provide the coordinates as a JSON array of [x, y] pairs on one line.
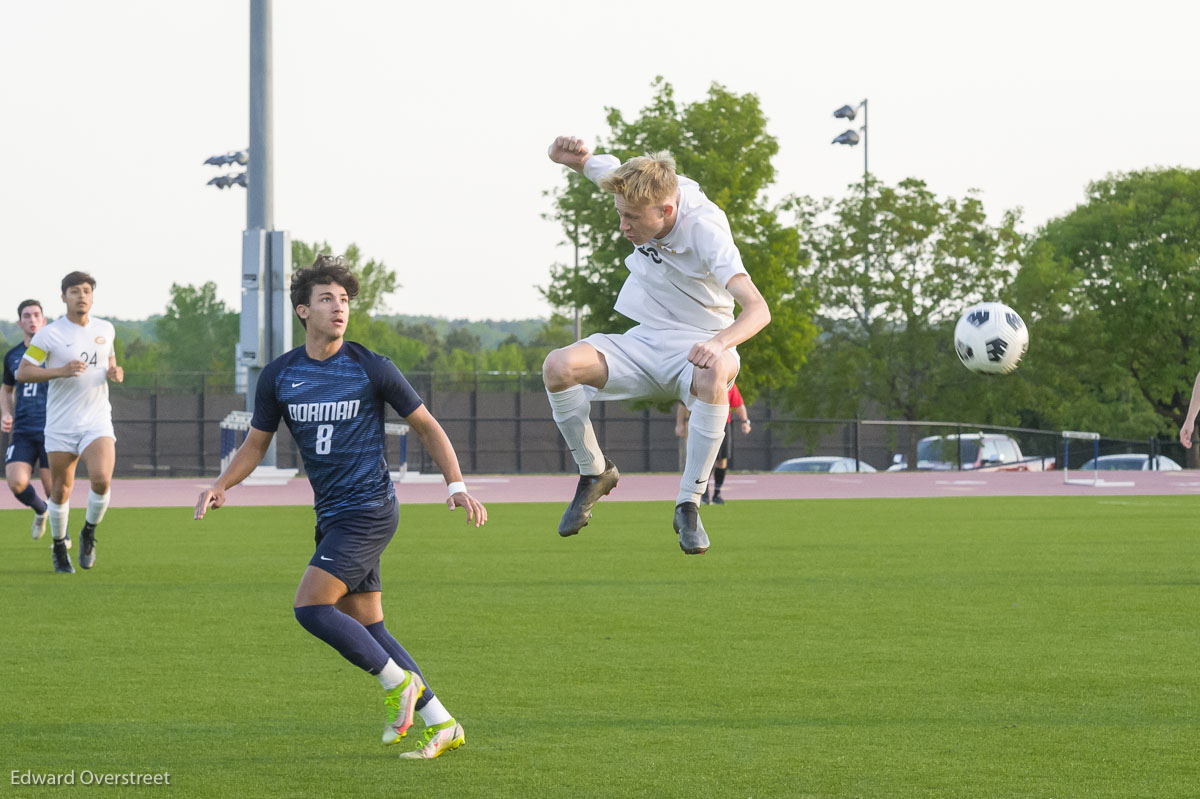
[[736, 406]]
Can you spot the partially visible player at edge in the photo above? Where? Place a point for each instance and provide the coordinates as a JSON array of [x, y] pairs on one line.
[[78, 352], [331, 393], [1188, 429], [685, 274], [23, 417]]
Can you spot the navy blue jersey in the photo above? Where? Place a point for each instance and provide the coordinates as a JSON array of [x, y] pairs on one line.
[[334, 410], [29, 418]]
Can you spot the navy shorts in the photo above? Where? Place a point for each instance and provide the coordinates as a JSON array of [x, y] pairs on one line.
[[349, 546], [29, 449]]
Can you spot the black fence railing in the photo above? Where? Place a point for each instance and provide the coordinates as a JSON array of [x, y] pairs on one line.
[[169, 425]]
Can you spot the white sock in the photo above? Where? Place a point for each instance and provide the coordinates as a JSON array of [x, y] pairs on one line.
[[392, 675], [433, 713], [58, 519], [706, 430], [97, 504], [571, 410]]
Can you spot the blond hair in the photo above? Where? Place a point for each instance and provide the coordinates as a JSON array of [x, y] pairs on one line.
[[644, 180]]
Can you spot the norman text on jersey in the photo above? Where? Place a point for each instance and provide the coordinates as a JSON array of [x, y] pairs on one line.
[[323, 411]]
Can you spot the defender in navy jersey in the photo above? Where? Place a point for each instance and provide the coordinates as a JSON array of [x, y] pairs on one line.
[[23, 417], [331, 394]]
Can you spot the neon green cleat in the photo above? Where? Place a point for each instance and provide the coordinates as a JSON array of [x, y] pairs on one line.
[[400, 703], [439, 739]]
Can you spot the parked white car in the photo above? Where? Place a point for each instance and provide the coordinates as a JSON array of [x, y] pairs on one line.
[[983, 452], [1134, 461], [823, 463]]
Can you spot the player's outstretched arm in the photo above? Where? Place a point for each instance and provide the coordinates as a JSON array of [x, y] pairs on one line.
[[1188, 429], [245, 460], [438, 445], [569, 151]]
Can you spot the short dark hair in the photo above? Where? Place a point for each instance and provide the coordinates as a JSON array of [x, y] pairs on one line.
[[76, 279], [326, 269], [25, 304]]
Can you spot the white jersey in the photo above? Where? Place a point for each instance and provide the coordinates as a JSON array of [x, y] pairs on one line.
[[679, 282], [75, 404]]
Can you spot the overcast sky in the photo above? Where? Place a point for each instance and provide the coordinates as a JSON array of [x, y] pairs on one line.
[[419, 131]]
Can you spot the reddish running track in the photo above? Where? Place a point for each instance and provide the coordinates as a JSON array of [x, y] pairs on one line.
[[183, 492]]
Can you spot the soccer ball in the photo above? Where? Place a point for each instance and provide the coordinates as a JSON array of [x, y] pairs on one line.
[[990, 338]]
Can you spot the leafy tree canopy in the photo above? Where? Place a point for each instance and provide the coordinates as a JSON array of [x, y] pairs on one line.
[[722, 143]]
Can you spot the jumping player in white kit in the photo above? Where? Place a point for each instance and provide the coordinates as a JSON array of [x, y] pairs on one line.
[[685, 274], [75, 354]]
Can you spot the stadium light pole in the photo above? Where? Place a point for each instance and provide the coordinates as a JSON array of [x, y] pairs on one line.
[[851, 137], [265, 321], [266, 325]]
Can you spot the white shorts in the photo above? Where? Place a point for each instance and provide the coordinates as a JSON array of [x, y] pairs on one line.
[[76, 441], [648, 363]]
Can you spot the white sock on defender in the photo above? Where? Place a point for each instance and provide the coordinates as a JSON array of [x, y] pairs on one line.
[[391, 675], [706, 430], [58, 519], [433, 713], [97, 504], [571, 410]]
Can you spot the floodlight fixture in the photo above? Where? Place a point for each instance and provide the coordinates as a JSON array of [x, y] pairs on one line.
[[850, 137], [239, 157], [229, 181]]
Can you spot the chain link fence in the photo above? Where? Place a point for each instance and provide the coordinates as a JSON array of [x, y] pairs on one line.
[[169, 425]]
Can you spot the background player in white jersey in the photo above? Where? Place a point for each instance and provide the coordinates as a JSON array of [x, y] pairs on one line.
[[23, 417], [332, 394], [79, 360], [685, 274]]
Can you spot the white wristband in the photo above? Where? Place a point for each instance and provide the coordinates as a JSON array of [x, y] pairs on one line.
[[457, 488]]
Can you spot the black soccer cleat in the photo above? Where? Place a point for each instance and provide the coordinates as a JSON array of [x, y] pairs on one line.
[[692, 538], [62, 561], [87, 546], [590, 489]]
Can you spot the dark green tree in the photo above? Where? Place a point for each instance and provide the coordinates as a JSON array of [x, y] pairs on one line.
[[141, 357], [1114, 286], [892, 268], [375, 283], [198, 333], [463, 339], [722, 143]]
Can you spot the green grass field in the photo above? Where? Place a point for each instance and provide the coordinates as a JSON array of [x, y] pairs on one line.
[[957, 647]]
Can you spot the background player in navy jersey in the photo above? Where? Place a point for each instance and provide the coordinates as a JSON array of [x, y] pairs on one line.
[[331, 394], [23, 417]]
